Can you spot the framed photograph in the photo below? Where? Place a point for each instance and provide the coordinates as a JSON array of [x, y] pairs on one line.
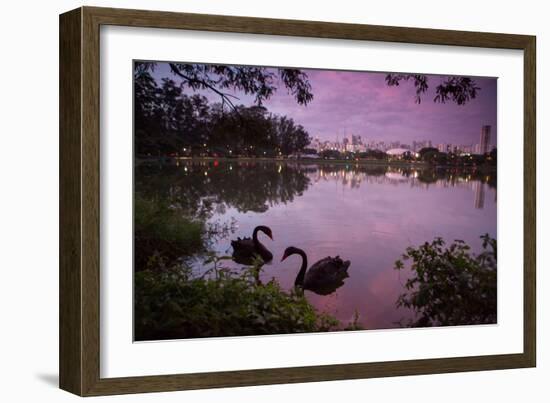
[[249, 201]]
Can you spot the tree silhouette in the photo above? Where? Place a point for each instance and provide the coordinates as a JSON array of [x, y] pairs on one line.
[[451, 88], [167, 120], [257, 81]]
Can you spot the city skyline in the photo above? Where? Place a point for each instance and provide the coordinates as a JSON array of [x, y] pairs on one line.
[[356, 143], [350, 103]]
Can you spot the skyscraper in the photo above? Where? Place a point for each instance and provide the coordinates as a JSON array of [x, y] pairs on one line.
[[485, 139]]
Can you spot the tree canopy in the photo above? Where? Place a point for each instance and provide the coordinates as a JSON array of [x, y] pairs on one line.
[[257, 81], [456, 89], [167, 120]]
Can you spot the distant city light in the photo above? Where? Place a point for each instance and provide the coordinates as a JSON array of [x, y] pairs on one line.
[[360, 144]]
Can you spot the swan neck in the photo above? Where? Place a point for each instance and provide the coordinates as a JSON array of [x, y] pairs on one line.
[[255, 235], [302, 273]]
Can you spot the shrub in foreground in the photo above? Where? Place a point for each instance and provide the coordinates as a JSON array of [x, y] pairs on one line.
[[174, 304], [161, 230], [450, 285]]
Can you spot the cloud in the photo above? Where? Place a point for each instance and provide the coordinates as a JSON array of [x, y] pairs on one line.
[[361, 103]]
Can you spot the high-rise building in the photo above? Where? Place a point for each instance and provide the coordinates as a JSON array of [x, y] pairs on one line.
[[485, 139]]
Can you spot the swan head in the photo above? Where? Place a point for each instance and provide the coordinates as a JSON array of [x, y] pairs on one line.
[[291, 250], [266, 230]]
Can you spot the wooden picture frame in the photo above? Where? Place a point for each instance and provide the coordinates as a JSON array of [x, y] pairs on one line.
[[79, 201]]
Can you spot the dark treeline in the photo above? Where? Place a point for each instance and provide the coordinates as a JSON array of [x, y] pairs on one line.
[[343, 155], [429, 155], [170, 122], [436, 157]]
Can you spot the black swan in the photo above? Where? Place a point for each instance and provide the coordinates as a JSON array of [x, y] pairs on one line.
[[245, 249], [323, 277]]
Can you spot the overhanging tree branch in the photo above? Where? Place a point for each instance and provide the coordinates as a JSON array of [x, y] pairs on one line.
[[452, 88], [224, 96]]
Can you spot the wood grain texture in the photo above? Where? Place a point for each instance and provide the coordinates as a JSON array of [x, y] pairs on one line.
[[305, 374], [530, 202], [314, 29], [70, 275], [80, 196], [90, 201]]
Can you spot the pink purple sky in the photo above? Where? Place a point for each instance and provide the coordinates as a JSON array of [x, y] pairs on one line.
[[361, 103]]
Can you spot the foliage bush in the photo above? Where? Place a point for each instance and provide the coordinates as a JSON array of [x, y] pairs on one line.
[[451, 285], [161, 230], [175, 304]]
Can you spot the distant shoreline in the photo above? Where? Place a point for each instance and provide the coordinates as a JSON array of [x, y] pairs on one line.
[[363, 162]]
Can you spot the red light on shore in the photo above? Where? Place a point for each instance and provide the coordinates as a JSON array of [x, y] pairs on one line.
[[216, 163]]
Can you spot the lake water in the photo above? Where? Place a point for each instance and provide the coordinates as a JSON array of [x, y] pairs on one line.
[[366, 214]]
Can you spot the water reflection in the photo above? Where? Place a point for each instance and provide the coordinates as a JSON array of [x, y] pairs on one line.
[[204, 187], [207, 187], [480, 195], [366, 214]]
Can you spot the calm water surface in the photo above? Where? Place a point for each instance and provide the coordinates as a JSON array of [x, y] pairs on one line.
[[368, 215]]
